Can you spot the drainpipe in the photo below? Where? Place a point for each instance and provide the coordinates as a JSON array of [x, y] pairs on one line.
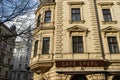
[[100, 36], [99, 31]]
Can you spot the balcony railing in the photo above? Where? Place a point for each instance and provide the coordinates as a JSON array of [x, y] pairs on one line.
[[46, 1]]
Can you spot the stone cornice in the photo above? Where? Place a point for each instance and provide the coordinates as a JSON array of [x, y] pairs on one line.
[[111, 29], [105, 3], [75, 3], [77, 28]]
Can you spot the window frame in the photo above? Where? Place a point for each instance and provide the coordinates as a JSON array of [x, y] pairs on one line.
[[44, 46], [106, 14], [78, 4], [76, 13], [77, 43], [113, 44], [47, 19], [35, 48], [109, 33], [38, 20]]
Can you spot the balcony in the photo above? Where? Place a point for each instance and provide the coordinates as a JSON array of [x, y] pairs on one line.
[[47, 1], [41, 63]]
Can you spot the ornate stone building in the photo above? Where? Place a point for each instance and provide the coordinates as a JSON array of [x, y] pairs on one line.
[[7, 44], [77, 40]]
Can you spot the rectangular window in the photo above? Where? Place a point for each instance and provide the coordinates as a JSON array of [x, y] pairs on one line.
[[75, 14], [26, 66], [35, 48], [47, 16], [77, 42], [26, 57], [2, 56], [18, 76], [19, 66], [20, 57], [46, 45], [0, 71], [38, 20], [107, 15], [113, 45], [6, 74]]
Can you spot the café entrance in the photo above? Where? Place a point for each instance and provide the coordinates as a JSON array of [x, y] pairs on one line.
[[78, 77]]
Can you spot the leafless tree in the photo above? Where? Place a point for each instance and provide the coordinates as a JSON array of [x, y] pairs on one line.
[[17, 12]]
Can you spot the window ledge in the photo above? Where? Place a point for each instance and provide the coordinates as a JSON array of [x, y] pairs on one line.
[[109, 22], [79, 53], [114, 53], [81, 21]]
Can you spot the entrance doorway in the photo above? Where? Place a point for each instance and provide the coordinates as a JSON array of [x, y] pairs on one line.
[[116, 78], [78, 77]]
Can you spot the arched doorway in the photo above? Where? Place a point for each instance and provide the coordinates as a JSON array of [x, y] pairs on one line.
[[116, 78], [78, 77]]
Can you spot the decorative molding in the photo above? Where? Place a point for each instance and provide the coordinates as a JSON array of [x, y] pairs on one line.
[[109, 22], [81, 21], [111, 29], [45, 4], [105, 4], [78, 28], [118, 3], [75, 3]]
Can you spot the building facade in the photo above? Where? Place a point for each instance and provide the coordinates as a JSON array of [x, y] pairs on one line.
[[76, 40], [20, 60], [7, 44]]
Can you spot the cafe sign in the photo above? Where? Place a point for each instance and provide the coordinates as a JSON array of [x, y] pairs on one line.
[[80, 63]]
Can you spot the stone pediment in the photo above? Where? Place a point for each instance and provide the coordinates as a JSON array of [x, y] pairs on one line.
[[111, 29], [77, 28]]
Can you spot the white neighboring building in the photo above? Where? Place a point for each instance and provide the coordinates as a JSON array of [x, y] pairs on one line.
[[21, 59]]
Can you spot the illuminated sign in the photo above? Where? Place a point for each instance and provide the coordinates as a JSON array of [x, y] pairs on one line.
[[80, 63]]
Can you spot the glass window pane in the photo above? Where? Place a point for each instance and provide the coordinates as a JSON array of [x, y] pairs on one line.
[[46, 43], [77, 44], [107, 15], [47, 16], [113, 45], [75, 14]]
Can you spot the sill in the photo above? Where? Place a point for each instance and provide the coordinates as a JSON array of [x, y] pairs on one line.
[[72, 22], [109, 22]]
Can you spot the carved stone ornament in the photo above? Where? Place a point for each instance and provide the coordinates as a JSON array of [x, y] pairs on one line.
[[78, 28], [105, 4], [111, 29], [75, 3]]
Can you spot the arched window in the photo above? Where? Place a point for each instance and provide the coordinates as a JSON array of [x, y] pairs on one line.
[[78, 77], [116, 78], [35, 48]]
